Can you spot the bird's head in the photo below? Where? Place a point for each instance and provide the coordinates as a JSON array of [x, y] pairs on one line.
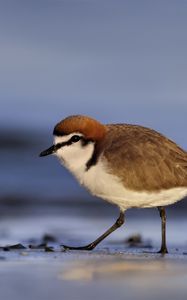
[[75, 139]]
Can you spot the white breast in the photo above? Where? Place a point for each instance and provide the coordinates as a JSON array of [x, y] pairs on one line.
[[108, 187]]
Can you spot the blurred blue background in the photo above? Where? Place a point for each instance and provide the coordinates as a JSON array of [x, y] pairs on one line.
[[117, 61]]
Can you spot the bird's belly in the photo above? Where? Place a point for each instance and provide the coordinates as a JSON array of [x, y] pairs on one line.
[[108, 187]]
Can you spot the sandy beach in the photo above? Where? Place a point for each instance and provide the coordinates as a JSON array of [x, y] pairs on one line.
[[119, 268]]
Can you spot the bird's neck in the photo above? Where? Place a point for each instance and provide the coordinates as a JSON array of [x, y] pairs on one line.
[[77, 162]]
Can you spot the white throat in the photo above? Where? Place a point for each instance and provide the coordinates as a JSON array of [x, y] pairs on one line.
[[75, 156]]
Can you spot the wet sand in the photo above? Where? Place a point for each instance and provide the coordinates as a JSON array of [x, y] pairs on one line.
[[116, 269]]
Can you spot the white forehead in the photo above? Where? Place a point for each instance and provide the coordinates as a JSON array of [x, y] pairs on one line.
[[65, 138]]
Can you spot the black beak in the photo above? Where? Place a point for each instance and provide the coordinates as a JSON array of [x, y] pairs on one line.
[[49, 151]]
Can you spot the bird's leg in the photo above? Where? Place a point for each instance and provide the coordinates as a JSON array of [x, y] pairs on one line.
[[92, 245], [162, 212]]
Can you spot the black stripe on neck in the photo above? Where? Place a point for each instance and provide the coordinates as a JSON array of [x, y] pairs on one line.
[[93, 160]]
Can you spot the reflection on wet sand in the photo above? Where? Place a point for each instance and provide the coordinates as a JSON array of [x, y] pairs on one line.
[[87, 270]]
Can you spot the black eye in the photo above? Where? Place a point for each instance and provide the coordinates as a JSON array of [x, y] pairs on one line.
[[75, 138]]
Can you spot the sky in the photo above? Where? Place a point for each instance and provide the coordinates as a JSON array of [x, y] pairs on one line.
[[117, 61]]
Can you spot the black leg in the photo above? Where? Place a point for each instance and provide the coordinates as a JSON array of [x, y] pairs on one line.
[[92, 245], [162, 212]]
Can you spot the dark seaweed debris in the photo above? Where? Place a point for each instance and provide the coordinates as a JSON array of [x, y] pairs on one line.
[[43, 246], [13, 247], [49, 249], [49, 238], [39, 246], [137, 241]]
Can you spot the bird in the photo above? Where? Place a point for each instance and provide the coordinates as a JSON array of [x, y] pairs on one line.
[[128, 165]]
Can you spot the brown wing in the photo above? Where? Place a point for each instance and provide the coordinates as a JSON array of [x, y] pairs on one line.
[[145, 159]]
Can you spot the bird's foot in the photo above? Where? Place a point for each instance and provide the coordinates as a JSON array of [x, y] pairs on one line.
[[163, 250], [88, 247]]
